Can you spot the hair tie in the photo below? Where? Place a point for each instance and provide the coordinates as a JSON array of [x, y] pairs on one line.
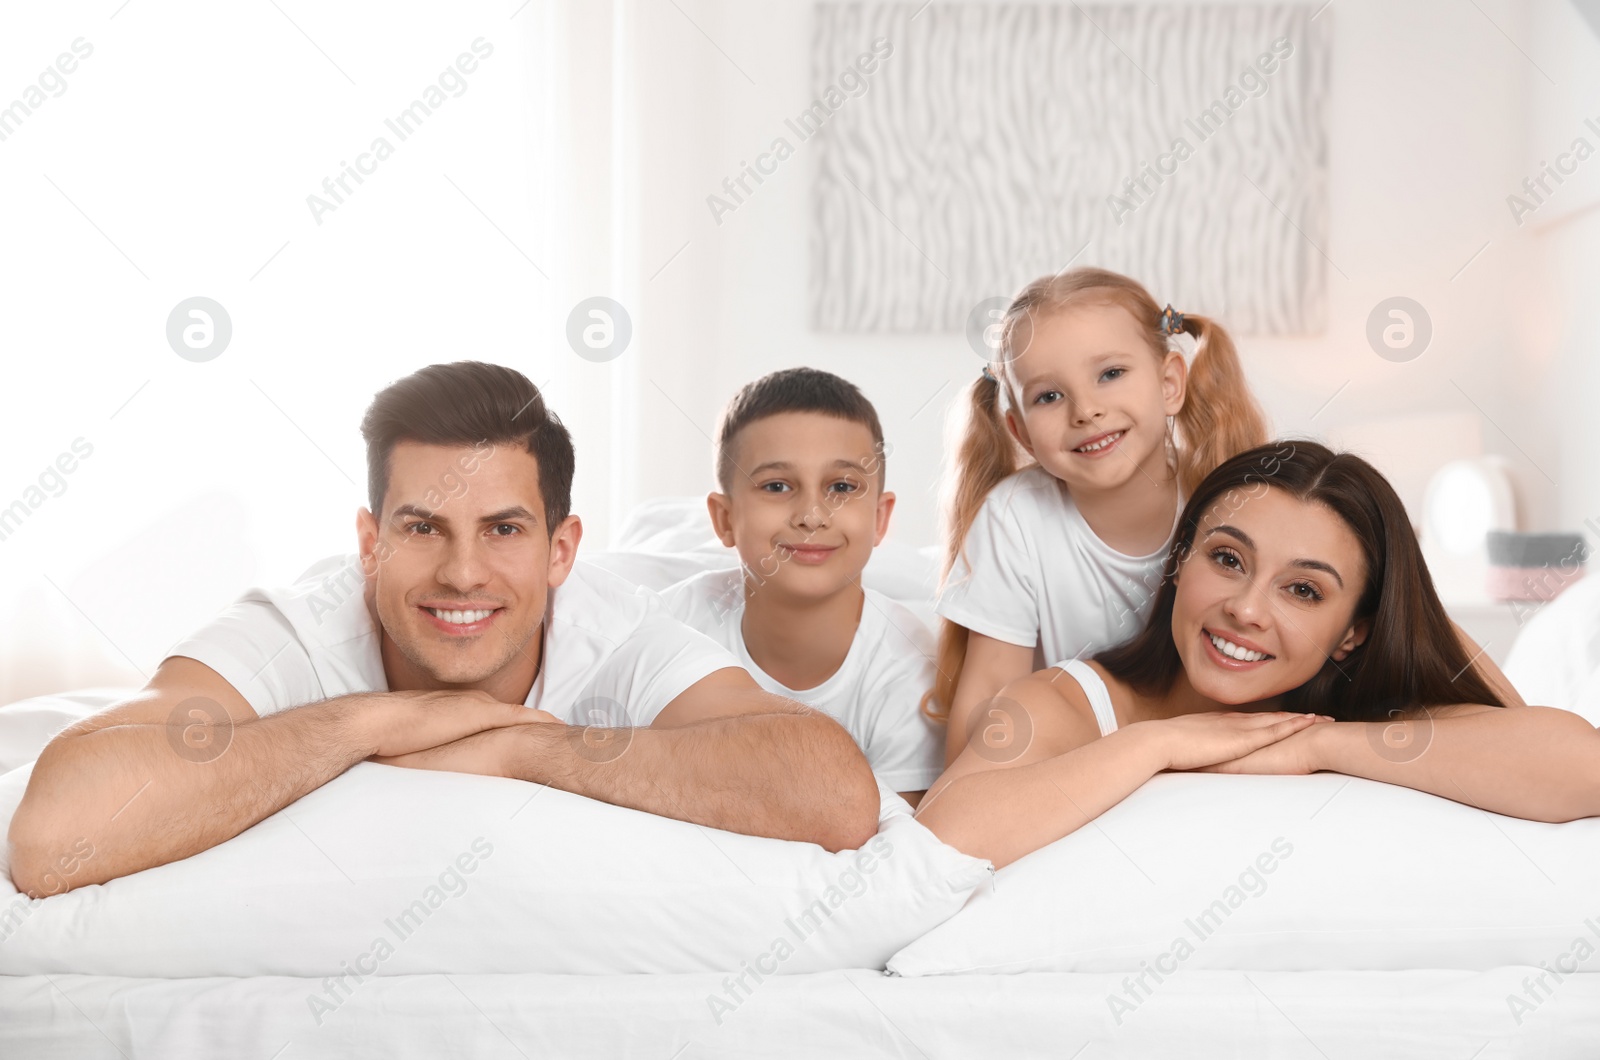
[[1171, 320], [988, 374]]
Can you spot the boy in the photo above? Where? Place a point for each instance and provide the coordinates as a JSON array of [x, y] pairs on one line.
[[800, 463]]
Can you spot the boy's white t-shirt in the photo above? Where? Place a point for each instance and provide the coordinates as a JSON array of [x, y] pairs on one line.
[[613, 655], [876, 692], [1034, 574]]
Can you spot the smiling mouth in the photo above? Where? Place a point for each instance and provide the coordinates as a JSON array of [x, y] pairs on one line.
[[461, 618], [1236, 652], [1105, 441]]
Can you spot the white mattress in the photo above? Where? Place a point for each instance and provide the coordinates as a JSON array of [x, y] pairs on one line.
[[1334, 1015]]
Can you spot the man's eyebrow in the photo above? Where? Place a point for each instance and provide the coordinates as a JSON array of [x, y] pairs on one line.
[[1306, 564], [503, 515]]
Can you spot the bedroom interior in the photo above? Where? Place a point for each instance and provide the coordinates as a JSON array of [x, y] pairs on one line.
[[1387, 203]]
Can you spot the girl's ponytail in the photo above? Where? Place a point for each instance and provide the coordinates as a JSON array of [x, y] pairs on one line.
[[985, 457], [1219, 417]]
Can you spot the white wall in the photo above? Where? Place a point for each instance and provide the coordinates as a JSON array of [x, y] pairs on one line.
[[191, 138], [1427, 127]]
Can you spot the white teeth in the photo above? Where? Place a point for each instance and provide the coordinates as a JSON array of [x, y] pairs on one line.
[[1233, 651], [1097, 446], [460, 618]]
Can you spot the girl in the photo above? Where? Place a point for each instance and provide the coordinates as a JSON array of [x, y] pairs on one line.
[[1297, 630], [1062, 557]]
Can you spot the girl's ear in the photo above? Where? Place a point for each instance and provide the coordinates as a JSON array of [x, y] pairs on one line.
[[1354, 637], [1174, 382]]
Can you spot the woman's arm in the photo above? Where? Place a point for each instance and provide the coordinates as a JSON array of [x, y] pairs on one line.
[[1538, 763], [990, 665], [1003, 800]]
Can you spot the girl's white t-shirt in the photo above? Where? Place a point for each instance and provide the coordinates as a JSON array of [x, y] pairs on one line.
[[1034, 574], [875, 694]]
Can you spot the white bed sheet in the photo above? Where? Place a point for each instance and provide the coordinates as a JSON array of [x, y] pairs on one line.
[[1194, 1015]]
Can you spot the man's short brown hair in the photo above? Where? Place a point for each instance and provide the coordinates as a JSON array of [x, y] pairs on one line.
[[468, 403]]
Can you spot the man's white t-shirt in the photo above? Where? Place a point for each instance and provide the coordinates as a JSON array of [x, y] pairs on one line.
[[613, 655], [876, 692], [1034, 574]]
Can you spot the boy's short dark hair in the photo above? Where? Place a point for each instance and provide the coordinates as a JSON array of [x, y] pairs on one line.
[[468, 403], [794, 390]]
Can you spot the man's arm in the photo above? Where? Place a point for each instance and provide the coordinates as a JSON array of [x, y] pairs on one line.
[[724, 754], [187, 764]]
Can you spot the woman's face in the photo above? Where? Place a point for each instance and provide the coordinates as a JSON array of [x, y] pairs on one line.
[[1266, 596]]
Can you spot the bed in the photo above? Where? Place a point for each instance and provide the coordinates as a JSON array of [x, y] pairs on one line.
[[1395, 925]]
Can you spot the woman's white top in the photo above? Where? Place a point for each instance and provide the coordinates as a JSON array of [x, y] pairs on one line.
[[1094, 687], [1033, 573]]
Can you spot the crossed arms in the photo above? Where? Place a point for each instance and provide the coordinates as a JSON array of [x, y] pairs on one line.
[[724, 754], [1538, 763]]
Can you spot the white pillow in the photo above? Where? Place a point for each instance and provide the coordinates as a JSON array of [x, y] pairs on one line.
[[1282, 873], [27, 725], [397, 871]]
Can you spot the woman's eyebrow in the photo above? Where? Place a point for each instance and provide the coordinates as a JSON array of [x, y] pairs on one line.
[[1306, 564], [1317, 564]]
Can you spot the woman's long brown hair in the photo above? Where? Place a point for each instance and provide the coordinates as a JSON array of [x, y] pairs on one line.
[[1412, 656]]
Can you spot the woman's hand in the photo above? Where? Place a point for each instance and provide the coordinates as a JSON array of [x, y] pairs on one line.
[[1199, 741], [1294, 755]]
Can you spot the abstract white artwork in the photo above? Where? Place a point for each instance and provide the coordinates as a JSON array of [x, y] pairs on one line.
[[963, 149]]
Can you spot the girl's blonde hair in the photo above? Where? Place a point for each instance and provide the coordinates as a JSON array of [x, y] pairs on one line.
[[1219, 418]]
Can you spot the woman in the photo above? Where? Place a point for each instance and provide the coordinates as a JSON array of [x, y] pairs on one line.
[[1296, 630]]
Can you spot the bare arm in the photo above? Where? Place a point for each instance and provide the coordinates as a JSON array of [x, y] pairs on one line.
[[990, 665], [187, 764], [1003, 806], [724, 754], [1538, 763]]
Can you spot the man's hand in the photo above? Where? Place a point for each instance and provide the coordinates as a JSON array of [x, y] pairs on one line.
[[483, 753], [401, 723]]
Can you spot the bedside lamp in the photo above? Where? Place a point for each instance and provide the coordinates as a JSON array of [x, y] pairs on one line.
[[1465, 500]]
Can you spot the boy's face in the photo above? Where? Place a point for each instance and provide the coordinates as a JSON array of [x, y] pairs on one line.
[[804, 508]]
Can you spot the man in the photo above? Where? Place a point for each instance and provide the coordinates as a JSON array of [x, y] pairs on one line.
[[466, 639]]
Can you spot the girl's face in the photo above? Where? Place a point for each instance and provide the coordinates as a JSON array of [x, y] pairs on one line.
[[1266, 596], [1093, 398]]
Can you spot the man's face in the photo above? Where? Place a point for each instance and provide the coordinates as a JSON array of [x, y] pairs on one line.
[[460, 565]]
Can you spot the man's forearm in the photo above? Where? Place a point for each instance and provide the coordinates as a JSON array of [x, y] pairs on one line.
[[137, 799], [783, 775], [1538, 763]]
